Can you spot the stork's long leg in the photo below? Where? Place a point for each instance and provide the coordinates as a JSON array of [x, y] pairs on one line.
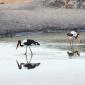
[[26, 54], [26, 51], [31, 54]]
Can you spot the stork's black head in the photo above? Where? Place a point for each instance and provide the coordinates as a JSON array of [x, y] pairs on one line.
[[69, 34], [18, 44]]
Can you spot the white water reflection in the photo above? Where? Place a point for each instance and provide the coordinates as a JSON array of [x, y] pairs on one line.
[[44, 51], [55, 65]]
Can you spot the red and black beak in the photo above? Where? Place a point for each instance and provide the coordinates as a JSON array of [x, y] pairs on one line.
[[18, 44]]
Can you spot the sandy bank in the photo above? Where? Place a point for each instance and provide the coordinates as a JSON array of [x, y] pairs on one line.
[[45, 37], [41, 20]]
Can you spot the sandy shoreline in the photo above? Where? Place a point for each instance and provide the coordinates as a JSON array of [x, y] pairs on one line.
[[45, 37], [41, 20]]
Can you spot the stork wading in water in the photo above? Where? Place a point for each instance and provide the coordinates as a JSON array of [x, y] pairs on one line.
[[73, 36], [27, 43]]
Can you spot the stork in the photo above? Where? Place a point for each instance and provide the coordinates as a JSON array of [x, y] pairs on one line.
[[27, 43]]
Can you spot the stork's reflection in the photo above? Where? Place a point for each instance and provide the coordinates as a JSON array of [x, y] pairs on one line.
[[73, 51], [27, 43], [27, 65]]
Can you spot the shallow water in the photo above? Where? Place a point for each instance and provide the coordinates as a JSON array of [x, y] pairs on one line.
[[55, 65], [51, 48], [44, 51], [47, 51]]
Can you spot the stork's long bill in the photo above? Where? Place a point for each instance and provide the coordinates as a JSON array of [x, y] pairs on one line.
[[17, 45], [19, 42]]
